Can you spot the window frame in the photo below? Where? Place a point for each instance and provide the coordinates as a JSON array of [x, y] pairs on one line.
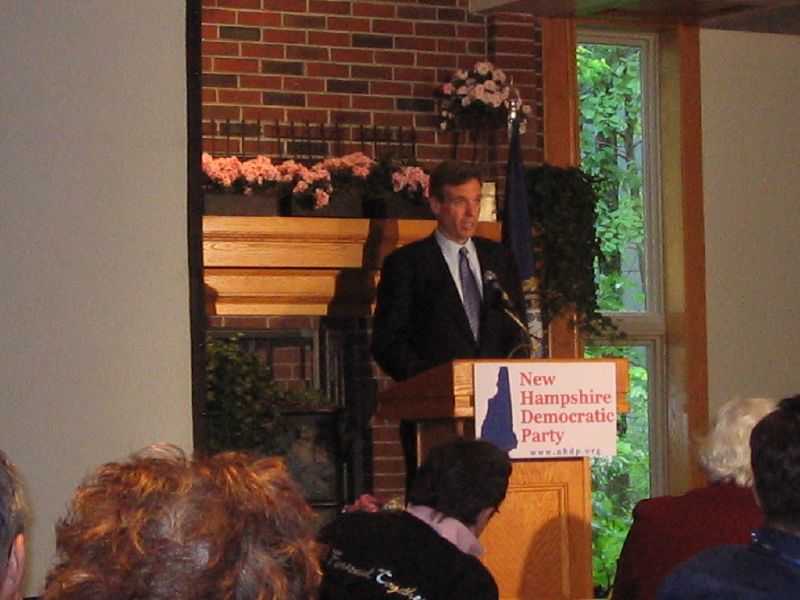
[[646, 328]]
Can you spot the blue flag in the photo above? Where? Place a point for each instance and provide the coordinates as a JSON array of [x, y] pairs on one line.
[[517, 236], [516, 220]]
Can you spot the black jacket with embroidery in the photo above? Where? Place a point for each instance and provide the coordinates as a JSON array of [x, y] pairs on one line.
[[394, 555]]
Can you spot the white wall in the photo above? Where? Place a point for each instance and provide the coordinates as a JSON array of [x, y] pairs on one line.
[[94, 308], [751, 170]]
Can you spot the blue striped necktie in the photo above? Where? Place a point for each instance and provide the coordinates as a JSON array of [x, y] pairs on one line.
[[470, 291]]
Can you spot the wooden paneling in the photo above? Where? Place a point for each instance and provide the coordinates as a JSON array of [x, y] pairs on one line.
[[768, 16], [316, 292], [527, 544], [302, 266]]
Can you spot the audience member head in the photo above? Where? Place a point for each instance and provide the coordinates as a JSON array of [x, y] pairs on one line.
[[451, 172], [13, 513], [725, 453], [462, 479], [161, 526], [775, 454]]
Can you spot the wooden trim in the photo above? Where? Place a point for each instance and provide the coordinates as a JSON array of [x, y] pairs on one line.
[[684, 254], [562, 142], [694, 240], [562, 148], [560, 93]]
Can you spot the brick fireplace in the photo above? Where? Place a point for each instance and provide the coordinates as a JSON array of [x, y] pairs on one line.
[[358, 63]]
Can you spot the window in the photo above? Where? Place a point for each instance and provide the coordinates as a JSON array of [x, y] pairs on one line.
[[619, 145]]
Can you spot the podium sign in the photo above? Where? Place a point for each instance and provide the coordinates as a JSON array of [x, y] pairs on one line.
[[547, 409], [540, 545]]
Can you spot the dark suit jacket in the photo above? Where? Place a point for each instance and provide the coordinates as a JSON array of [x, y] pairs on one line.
[[669, 529], [420, 321]]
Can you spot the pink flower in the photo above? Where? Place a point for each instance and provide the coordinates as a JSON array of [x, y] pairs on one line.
[[412, 179], [288, 169], [321, 198], [259, 170], [224, 171], [448, 88], [364, 503], [484, 67], [358, 163]]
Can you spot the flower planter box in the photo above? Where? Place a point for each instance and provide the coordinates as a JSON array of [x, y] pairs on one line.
[[396, 207], [268, 205], [345, 203]]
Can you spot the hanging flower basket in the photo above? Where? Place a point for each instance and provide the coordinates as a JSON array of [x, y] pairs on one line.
[[480, 100]]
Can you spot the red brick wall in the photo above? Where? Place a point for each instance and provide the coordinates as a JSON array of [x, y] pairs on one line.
[[360, 62], [290, 365]]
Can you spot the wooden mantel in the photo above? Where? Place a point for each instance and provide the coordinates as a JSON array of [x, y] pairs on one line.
[[302, 265]]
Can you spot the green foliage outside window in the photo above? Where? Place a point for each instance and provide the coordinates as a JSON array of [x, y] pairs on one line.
[[618, 483], [611, 151], [609, 78]]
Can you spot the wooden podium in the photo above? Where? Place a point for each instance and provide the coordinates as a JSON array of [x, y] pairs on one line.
[[540, 544]]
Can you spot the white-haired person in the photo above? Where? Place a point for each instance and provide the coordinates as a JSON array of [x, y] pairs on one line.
[[667, 530], [768, 568]]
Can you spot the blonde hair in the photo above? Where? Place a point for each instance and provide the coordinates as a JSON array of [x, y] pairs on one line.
[[725, 453]]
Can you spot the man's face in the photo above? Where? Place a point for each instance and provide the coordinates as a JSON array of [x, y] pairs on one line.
[[457, 212]]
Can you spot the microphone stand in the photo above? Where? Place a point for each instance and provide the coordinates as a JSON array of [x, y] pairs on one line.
[[490, 279]]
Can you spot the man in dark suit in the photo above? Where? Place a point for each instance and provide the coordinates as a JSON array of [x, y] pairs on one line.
[[449, 295]]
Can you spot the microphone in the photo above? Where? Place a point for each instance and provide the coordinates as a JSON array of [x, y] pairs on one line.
[[490, 279]]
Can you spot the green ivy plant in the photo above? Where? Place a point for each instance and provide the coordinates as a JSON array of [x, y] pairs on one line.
[[562, 205], [245, 406]]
